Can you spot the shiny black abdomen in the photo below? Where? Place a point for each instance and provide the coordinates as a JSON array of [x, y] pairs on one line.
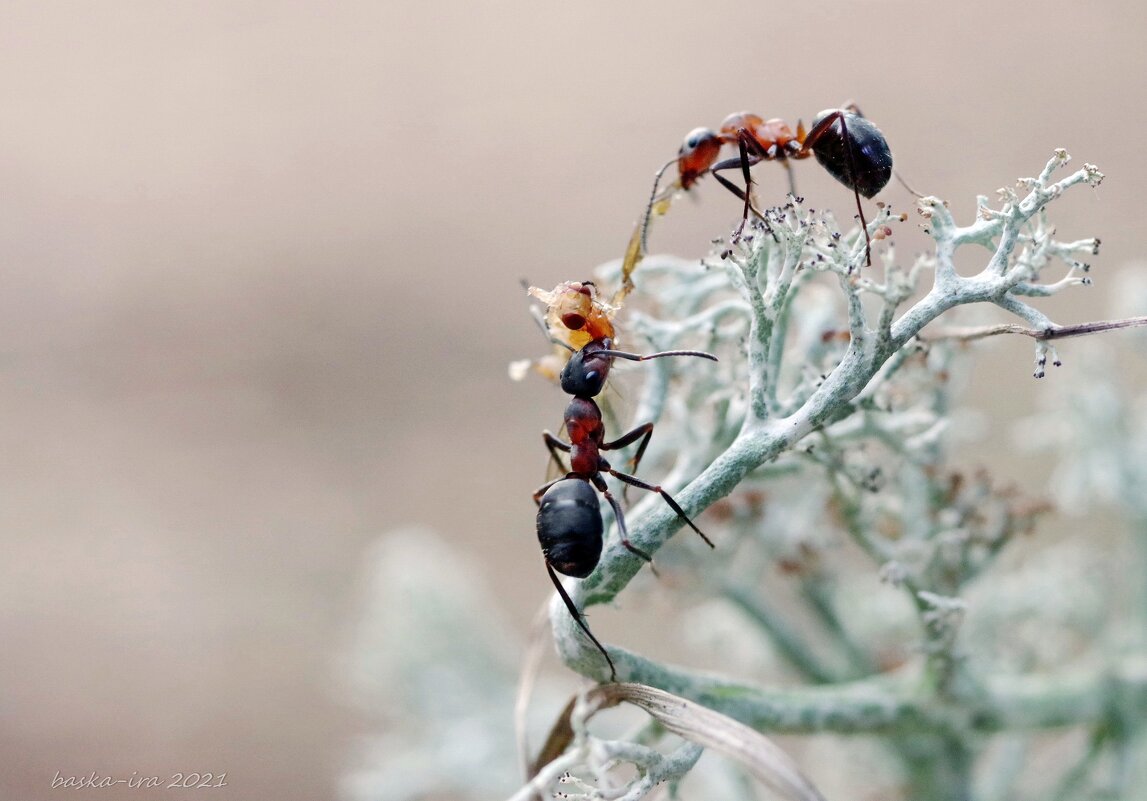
[[570, 527], [870, 168]]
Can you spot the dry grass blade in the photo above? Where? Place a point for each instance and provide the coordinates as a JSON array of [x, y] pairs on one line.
[[1058, 332], [758, 754], [531, 666], [559, 738]]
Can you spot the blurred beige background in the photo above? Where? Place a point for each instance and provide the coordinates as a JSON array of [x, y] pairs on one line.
[[259, 269]]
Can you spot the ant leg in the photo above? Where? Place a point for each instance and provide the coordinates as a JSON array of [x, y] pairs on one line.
[[736, 190], [599, 482], [819, 129], [643, 433], [636, 482], [744, 160], [850, 105], [792, 178], [810, 141], [863, 225], [553, 444], [744, 154], [580, 620], [856, 192], [540, 491]]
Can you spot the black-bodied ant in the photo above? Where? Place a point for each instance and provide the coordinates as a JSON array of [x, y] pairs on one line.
[[569, 514], [844, 142]]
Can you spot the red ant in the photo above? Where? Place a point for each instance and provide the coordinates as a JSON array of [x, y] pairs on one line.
[[569, 520], [844, 142]]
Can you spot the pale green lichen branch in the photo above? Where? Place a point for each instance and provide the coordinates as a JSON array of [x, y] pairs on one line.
[[887, 704], [852, 359], [762, 438]]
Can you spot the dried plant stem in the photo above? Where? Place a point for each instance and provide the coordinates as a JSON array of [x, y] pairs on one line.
[[1056, 332]]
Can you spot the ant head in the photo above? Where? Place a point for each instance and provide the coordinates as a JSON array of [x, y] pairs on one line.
[[570, 527], [585, 373], [697, 154]]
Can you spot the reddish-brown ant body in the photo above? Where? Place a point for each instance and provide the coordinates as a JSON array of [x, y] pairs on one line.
[[844, 142], [569, 520], [848, 146]]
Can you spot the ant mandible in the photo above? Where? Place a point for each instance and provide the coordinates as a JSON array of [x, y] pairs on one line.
[[569, 520], [844, 142]]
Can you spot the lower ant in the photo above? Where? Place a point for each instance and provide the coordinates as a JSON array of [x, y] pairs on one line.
[[569, 519]]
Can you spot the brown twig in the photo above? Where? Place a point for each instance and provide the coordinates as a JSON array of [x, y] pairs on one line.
[[1057, 332]]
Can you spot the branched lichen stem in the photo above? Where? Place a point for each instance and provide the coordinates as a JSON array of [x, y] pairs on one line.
[[768, 274]]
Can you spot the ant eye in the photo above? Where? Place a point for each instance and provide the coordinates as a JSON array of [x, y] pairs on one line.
[[696, 137]]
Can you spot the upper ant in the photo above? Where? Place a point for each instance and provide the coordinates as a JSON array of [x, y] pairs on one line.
[[569, 520], [844, 142]]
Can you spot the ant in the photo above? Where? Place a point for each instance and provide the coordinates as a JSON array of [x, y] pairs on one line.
[[569, 520], [851, 148]]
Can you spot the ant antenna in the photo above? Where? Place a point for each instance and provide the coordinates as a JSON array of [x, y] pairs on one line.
[[637, 357], [639, 241], [652, 203], [904, 184]]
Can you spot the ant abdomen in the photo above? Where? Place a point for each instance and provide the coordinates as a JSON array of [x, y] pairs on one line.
[[869, 167], [570, 527]]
